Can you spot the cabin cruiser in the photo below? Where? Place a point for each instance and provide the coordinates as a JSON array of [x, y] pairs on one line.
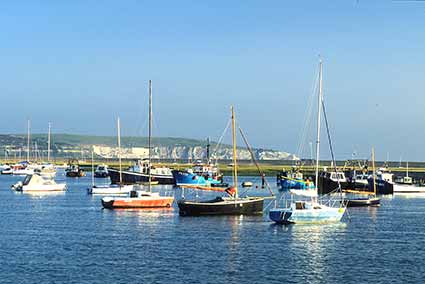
[[36, 183], [101, 171], [139, 173], [46, 170]]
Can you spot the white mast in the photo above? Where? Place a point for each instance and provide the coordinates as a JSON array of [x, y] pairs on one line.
[[150, 135], [119, 147], [92, 169], [28, 140], [407, 169], [48, 144], [319, 109]]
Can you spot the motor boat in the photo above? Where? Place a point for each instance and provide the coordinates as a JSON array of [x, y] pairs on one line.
[[36, 183], [101, 171]]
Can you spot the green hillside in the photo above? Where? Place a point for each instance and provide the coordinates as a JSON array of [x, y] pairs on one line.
[[75, 140]]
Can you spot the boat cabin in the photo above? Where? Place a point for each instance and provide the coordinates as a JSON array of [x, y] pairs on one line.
[[335, 176], [143, 166]]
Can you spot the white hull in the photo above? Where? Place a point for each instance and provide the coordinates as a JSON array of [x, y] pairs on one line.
[[304, 192], [311, 214], [44, 188], [402, 188], [23, 172], [110, 189]]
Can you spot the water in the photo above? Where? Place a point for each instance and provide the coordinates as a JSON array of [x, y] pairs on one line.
[[68, 238]]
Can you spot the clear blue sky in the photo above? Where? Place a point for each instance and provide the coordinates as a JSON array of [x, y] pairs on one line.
[[80, 64]]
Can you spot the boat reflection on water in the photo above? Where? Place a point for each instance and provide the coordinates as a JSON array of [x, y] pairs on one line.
[[40, 194], [145, 214]]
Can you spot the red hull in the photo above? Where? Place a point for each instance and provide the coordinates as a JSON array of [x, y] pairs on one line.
[[160, 202]]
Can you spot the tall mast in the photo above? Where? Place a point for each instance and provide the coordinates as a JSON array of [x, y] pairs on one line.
[[119, 147], [235, 166], [28, 140], [407, 169], [319, 109], [92, 168], [48, 143], [373, 169], [208, 150], [150, 134]]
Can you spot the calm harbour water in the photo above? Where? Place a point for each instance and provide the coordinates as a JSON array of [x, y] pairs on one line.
[[68, 238]]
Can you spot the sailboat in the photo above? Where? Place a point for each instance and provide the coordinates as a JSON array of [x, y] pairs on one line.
[[138, 198], [232, 205], [113, 188], [22, 168], [366, 201], [47, 170], [314, 210]]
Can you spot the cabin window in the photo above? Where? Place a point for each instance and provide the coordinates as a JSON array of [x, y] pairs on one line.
[[27, 180], [299, 205]]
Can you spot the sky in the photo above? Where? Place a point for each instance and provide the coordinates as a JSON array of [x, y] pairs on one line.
[[81, 64]]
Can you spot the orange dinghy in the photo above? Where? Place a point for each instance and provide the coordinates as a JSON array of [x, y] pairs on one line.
[[138, 199]]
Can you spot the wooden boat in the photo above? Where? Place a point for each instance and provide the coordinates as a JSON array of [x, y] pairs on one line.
[[359, 202], [233, 205], [314, 210], [366, 201], [222, 206], [138, 198]]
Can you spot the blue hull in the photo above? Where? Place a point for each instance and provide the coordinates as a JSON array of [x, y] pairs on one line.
[[185, 178]]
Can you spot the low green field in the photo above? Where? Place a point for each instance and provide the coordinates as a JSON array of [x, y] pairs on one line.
[[244, 168]]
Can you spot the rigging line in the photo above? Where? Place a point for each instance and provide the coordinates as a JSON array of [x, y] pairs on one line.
[[330, 145], [255, 161], [220, 140], [307, 116]]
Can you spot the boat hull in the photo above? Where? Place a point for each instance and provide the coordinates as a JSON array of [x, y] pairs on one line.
[[406, 189], [138, 178], [361, 202], [243, 206], [185, 178], [75, 174], [112, 189], [307, 216], [327, 185], [144, 202], [43, 188], [101, 174], [382, 186]]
